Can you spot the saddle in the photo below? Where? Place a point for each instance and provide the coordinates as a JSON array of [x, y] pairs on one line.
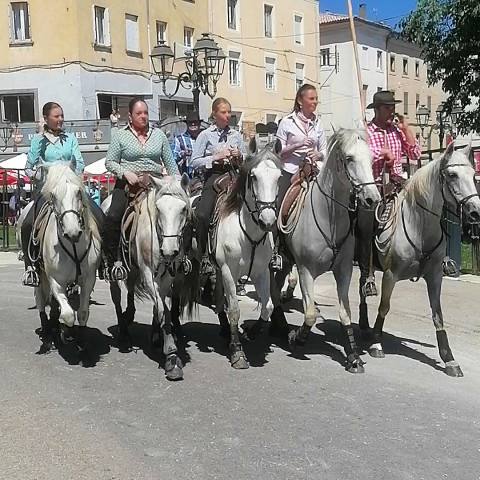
[[389, 192], [300, 182], [135, 195], [222, 187]]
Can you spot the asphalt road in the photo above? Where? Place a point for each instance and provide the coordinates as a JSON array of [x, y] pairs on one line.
[[290, 416]]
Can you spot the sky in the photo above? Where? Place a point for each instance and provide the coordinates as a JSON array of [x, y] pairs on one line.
[[388, 11]]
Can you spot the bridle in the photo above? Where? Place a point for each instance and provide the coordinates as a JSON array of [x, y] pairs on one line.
[[459, 203], [60, 216], [260, 205]]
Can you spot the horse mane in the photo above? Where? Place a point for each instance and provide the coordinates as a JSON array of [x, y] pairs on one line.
[[234, 199], [418, 185], [343, 139], [59, 179]]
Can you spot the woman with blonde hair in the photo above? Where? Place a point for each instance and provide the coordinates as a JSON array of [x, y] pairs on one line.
[[217, 148]]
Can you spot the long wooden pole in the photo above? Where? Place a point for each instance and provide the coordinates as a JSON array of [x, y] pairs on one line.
[[357, 61]]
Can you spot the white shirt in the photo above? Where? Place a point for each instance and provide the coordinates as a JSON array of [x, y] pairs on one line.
[[293, 130]]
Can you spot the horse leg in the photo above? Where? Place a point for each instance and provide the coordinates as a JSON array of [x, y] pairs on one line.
[[434, 287], [175, 316], [128, 315], [238, 359], [46, 334], [84, 310], [220, 308], [300, 335], [262, 286], [279, 326], [67, 315], [363, 311], [388, 284], [124, 340], [343, 275], [292, 280]]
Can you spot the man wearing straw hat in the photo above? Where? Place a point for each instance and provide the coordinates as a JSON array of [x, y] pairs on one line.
[[389, 137]]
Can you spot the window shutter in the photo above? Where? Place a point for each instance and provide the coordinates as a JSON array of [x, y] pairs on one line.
[[10, 23], [94, 26], [106, 28], [28, 26], [270, 65]]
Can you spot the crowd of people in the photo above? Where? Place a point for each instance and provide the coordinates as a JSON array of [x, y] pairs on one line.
[[138, 149]]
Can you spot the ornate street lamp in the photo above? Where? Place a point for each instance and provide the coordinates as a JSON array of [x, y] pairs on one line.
[[423, 117], [203, 68], [6, 131]]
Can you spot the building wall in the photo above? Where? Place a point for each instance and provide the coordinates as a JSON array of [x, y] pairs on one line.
[[251, 97]]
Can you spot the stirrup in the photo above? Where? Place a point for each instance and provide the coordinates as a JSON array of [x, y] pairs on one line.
[[118, 273], [370, 288], [206, 268], [276, 263], [30, 277]]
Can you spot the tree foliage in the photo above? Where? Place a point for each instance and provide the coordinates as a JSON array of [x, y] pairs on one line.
[[448, 31]]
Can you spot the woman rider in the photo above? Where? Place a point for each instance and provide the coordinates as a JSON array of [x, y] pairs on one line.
[[52, 145], [214, 149], [134, 150]]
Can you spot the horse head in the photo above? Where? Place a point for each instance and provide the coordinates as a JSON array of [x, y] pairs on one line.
[[457, 178], [259, 177], [350, 151], [172, 206], [65, 193]]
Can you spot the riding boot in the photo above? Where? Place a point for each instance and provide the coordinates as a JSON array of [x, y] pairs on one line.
[[115, 270]]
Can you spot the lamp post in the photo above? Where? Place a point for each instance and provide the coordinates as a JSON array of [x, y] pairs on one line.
[[6, 131], [204, 67]]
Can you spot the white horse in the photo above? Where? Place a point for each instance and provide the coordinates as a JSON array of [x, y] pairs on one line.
[[156, 252], [70, 252], [413, 243], [244, 245], [322, 239]]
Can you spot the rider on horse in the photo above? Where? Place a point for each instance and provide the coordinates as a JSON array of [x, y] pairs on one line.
[[389, 137], [51, 146], [135, 150], [218, 148]]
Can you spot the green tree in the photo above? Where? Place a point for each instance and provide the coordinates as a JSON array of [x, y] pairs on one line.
[[448, 31]]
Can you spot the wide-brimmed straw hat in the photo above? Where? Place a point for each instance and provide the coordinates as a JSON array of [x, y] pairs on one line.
[[384, 97]]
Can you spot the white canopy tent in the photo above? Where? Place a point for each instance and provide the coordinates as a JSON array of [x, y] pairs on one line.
[[15, 163], [96, 168]]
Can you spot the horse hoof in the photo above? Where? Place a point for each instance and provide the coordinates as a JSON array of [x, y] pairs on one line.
[[173, 368], [252, 333], [453, 371], [46, 347], [67, 334], [355, 366], [376, 351], [239, 361]]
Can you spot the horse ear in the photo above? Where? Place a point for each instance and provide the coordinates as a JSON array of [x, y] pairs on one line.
[[448, 153], [333, 127], [72, 164], [184, 181], [154, 181], [252, 146], [466, 151], [277, 148]]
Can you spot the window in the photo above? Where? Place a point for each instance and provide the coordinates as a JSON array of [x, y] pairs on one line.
[[131, 33], [298, 29], [325, 57], [161, 32], [269, 73], [417, 101], [18, 108], [417, 69], [379, 60], [405, 103], [405, 66], [101, 29], [19, 22], [271, 118], [234, 68], [232, 14], [392, 62], [268, 20], [188, 37], [364, 95], [299, 74], [364, 59]]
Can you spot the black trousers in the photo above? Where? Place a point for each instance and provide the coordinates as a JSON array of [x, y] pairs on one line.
[[284, 183], [29, 220], [364, 231], [204, 209], [111, 237]]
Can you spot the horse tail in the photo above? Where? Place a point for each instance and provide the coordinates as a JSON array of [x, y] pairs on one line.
[[187, 288]]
